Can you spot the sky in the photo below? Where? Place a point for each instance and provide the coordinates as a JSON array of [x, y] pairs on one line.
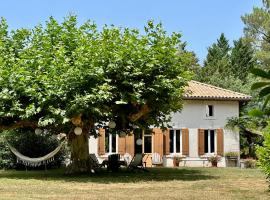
[[199, 21]]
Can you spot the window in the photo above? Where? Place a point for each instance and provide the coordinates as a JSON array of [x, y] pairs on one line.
[[209, 111], [110, 142], [147, 143], [175, 141], [209, 141]]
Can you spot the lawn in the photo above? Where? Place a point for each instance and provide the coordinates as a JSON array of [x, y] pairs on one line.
[[159, 183]]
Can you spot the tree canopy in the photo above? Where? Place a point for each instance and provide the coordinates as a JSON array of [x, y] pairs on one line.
[[52, 74]]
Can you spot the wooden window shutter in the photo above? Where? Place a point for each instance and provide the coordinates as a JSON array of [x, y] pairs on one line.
[[121, 145], [185, 141], [158, 141], [101, 142], [166, 142], [130, 147], [220, 142], [201, 142]]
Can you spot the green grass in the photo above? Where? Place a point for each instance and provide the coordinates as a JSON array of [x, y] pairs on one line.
[[159, 183]]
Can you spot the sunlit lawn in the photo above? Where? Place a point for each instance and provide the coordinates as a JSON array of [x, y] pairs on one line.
[[159, 183]]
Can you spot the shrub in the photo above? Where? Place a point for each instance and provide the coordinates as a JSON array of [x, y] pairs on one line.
[[31, 145], [231, 154], [263, 153], [250, 163]]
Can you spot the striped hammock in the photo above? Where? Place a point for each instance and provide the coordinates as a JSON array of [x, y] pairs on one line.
[[34, 162]]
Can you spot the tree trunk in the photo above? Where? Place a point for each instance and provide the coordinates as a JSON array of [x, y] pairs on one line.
[[79, 146]]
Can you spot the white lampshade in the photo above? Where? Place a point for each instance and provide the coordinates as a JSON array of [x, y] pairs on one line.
[[38, 131], [139, 142], [78, 130], [112, 124]]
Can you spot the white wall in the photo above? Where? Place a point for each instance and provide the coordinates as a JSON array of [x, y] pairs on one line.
[[193, 114]]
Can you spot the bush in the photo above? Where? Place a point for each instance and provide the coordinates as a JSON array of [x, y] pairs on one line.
[[31, 145], [250, 163], [263, 153], [231, 154]]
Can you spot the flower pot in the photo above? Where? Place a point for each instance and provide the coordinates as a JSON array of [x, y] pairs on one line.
[[214, 164], [176, 162]]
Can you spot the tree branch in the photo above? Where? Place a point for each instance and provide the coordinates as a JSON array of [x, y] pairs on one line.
[[143, 111], [19, 124]]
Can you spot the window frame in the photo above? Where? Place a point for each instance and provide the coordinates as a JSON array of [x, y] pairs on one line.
[[207, 111], [209, 141], [110, 143], [174, 142]]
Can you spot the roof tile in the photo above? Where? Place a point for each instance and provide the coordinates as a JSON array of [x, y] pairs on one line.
[[198, 90]]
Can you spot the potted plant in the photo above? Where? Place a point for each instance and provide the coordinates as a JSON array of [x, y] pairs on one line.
[[176, 160], [232, 159], [214, 160], [232, 155]]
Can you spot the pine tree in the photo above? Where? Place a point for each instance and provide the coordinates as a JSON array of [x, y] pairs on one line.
[[217, 60], [242, 59]]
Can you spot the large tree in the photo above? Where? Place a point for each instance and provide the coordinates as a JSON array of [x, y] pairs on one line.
[[217, 60], [242, 59], [62, 75]]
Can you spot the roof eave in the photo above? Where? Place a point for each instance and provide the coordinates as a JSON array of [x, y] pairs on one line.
[[218, 98]]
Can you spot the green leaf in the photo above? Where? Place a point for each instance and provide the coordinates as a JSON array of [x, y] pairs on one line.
[[255, 113], [260, 73], [259, 85], [264, 92]]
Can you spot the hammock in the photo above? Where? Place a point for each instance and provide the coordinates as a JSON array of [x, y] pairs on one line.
[[34, 162]]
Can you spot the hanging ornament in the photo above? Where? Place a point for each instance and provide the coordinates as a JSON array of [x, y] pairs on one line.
[[38, 131], [78, 130], [112, 124], [139, 142]]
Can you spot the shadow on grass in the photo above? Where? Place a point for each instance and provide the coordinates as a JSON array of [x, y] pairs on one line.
[[123, 176]]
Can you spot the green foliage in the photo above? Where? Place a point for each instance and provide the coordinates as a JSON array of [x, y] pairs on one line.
[[31, 145], [263, 153], [217, 60], [242, 60], [231, 154], [50, 74], [250, 163]]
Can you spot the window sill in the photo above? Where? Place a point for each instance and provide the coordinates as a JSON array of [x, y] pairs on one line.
[[175, 155]]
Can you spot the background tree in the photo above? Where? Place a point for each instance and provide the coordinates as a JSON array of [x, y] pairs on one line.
[[217, 60], [242, 60], [63, 76]]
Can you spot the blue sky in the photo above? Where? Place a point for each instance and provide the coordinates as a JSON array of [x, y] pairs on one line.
[[200, 21]]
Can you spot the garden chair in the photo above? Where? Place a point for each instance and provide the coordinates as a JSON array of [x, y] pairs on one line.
[[137, 163], [127, 158], [157, 159], [95, 163]]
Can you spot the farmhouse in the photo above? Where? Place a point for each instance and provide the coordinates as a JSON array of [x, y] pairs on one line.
[[197, 132]]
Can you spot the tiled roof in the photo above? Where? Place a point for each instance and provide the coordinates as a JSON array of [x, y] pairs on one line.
[[197, 90]]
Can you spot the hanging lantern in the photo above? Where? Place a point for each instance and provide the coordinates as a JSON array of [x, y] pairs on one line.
[[112, 124], [78, 131], [139, 142], [38, 131]]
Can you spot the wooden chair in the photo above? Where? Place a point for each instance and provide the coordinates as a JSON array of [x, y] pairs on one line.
[[127, 158], [156, 159], [137, 163]]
